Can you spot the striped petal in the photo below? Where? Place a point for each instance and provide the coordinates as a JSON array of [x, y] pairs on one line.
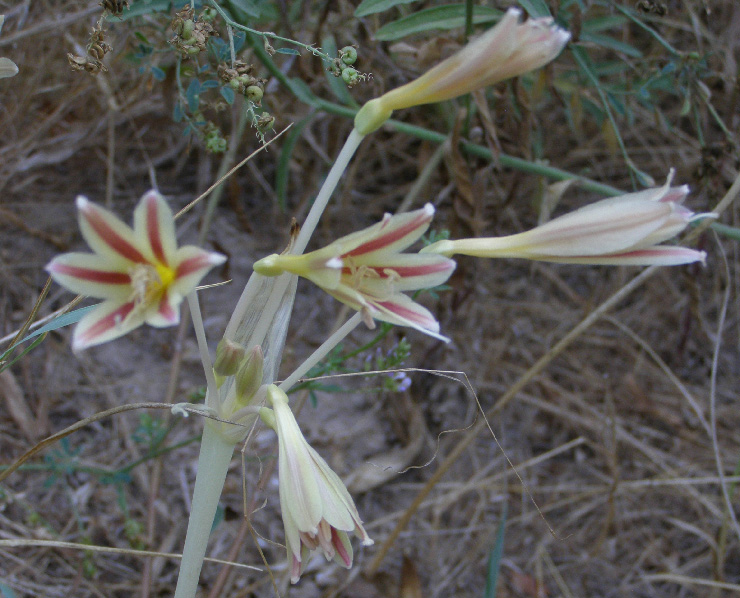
[[109, 237], [658, 255], [107, 321], [90, 274], [153, 221], [166, 312], [191, 264], [392, 235], [411, 271], [403, 311]]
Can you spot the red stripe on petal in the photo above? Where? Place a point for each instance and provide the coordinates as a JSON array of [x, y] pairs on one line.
[[166, 310], [101, 276], [111, 237], [391, 237], [339, 547], [193, 264], [410, 271], [105, 324], [152, 228], [408, 314]]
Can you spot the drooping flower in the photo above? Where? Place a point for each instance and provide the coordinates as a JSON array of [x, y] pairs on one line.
[[140, 273], [318, 512], [625, 230], [507, 50], [366, 270]]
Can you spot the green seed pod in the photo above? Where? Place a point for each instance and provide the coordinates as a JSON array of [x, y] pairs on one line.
[[348, 54], [193, 50], [235, 84], [187, 29], [350, 76], [254, 93], [208, 14]]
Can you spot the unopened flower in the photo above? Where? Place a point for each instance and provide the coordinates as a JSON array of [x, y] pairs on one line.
[[140, 273], [8, 68], [625, 230], [366, 270], [507, 50], [318, 512]]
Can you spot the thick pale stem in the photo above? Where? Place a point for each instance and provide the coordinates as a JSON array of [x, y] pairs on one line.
[[317, 209], [321, 352], [213, 463], [332, 179]]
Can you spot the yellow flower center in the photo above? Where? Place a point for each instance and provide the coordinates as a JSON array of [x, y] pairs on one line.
[[148, 284]]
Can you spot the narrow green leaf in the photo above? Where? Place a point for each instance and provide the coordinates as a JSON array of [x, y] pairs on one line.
[[604, 23], [535, 8], [494, 560], [448, 16], [282, 173], [6, 591], [228, 94], [139, 8], [291, 51], [609, 42], [247, 6], [369, 7], [302, 91]]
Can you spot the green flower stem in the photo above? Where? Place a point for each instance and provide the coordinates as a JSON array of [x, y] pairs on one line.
[[213, 463], [321, 352]]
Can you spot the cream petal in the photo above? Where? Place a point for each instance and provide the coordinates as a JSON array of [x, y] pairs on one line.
[[191, 264], [109, 237], [107, 321], [154, 222], [90, 274], [412, 271]]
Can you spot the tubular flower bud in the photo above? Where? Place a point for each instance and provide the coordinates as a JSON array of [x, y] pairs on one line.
[[139, 272], [367, 271], [625, 230], [507, 50], [228, 357], [318, 512], [249, 376]]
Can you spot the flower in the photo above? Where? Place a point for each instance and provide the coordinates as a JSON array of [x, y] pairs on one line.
[[317, 509], [366, 270], [506, 50], [625, 230], [140, 273]]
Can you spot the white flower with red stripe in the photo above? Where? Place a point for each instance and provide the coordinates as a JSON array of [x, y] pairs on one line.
[[367, 271], [318, 512], [140, 273], [627, 230]]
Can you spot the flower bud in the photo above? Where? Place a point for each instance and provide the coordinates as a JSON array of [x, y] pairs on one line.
[[249, 376], [348, 54], [228, 357]]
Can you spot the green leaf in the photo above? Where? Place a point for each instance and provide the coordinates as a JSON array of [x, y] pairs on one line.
[[228, 94], [6, 591], [448, 16], [369, 7], [291, 51], [139, 8], [193, 95], [494, 559], [302, 91], [535, 8], [247, 6], [611, 43], [282, 172], [603, 23], [158, 73]]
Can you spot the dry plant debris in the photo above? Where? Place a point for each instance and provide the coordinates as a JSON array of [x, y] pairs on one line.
[[606, 466]]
